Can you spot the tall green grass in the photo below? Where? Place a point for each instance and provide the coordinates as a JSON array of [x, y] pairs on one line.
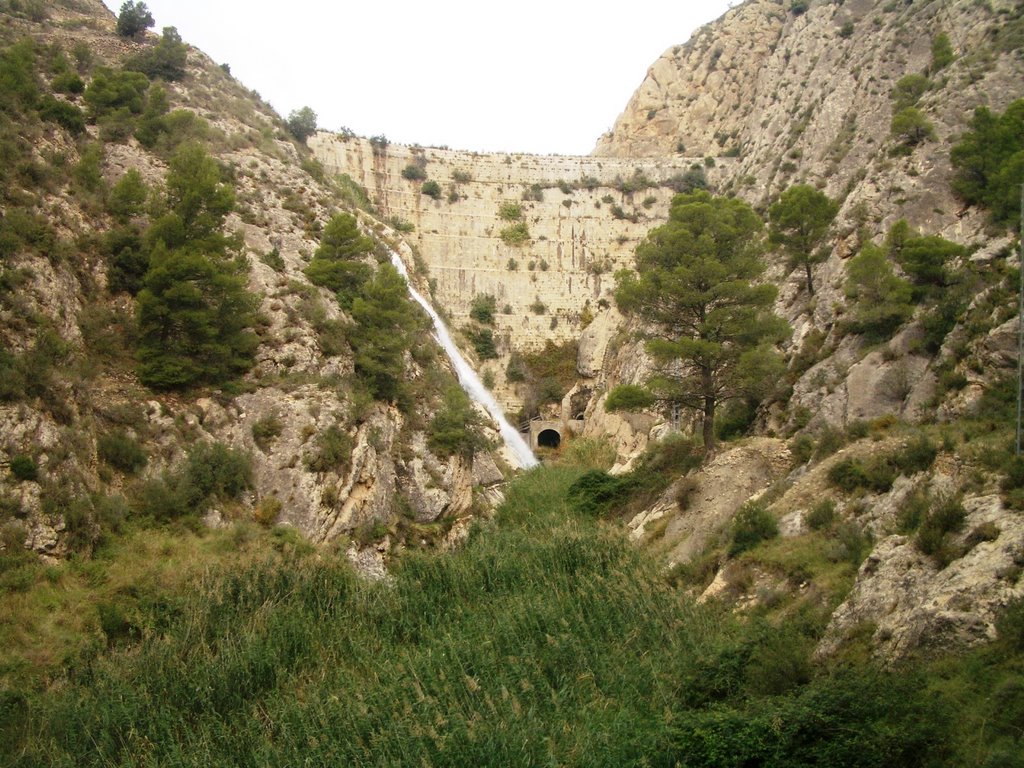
[[546, 640]]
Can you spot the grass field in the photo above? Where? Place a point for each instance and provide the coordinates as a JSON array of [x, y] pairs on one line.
[[546, 640]]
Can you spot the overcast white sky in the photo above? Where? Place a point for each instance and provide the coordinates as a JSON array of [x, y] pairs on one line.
[[543, 76]]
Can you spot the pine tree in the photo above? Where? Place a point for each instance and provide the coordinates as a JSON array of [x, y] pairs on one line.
[[386, 323], [338, 262], [708, 326], [799, 222], [194, 312]]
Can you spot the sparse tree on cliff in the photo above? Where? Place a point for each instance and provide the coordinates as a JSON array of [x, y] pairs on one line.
[[338, 263], [133, 19], [799, 221], [302, 123], [710, 329], [194, 313]]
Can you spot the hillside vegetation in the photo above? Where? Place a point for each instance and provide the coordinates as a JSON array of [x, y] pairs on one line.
[[547, 639], [180, 280], [248, 517]]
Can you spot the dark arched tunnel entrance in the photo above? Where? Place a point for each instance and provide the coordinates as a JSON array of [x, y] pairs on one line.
[[548, 438]]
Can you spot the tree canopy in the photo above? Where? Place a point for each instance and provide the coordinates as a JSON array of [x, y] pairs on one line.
[[338, 262], [881, 299], [989, 162], [302, 123], [799, 222], [166, 60], [133, 19], [709, 328], [193, 312], [386, 323]]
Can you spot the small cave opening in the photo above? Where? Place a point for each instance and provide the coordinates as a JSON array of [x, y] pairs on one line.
[[548, 438]]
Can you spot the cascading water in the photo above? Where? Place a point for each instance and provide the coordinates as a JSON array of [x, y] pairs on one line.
[[467, 376]]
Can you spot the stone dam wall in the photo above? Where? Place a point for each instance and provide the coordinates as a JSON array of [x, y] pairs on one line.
[[582, 227]]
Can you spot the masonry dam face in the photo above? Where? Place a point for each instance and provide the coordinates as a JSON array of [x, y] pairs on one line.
[[568, 224]]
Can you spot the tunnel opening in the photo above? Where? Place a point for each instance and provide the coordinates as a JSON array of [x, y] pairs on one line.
[[548, 438]]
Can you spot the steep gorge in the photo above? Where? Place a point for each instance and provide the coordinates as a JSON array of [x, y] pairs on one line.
[[771, 95]]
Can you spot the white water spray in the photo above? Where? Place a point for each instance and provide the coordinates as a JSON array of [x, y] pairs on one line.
[[468, 378]]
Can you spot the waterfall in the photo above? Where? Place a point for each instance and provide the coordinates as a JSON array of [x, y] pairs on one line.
[[467, 376]]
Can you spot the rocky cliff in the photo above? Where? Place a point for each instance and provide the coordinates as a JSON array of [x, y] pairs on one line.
[[776, 94], [325, 458], [580, 219], [771, 95]]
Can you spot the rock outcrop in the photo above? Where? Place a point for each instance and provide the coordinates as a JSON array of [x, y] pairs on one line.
[[301, 381]]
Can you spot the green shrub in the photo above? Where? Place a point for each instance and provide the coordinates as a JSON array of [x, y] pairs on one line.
[[332, 453], [455, 428], [217, 470], [109, 91], [908, 90], [510, 211], [822, 515], [933, 536], [483, 307], [690, 181], [267, 511], [23, 467], [19, 85], [1010, 625], [166, 60], [598, 494], [265, 430], [64, 114], [752, 525], [852, 544], [735, 419], [482, 340], [916, 456], [166, 498], [801, 448], [924, 258], [274, 260], [516, 371], [414, 172], [913, 511], [121, 452], [847, 475], [515, 234], [127, 198], [876, 474], [431, 189], [68, 82], [942, 52], [628, 397]]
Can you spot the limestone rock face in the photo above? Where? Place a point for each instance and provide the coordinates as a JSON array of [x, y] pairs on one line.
[[593, 346], [808, 96], [298, 382], [913, 605], [713, 496], [581, 222]]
